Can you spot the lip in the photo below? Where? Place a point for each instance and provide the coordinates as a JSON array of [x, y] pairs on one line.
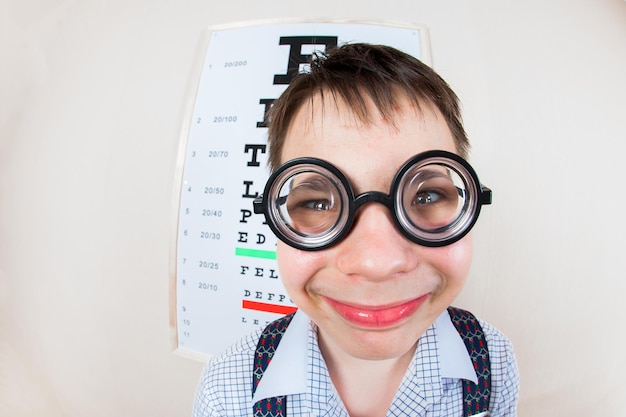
[[376, 317]]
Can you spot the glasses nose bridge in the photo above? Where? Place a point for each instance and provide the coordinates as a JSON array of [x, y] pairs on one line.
[[373, 197]]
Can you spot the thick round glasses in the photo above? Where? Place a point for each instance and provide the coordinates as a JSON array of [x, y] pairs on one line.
[[435, 199]]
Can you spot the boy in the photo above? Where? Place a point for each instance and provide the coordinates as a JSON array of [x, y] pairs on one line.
[[372, 203]]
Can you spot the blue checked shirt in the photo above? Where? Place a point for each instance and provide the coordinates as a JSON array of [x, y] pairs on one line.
[[431, 386]]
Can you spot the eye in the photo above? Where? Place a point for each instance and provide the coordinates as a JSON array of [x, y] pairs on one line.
[[316, 205], [306, 198], [426, 197]]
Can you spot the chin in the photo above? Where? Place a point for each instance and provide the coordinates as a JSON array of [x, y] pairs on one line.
[[379, 344]]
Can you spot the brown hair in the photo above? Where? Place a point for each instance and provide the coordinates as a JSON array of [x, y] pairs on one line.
[[356, 71]]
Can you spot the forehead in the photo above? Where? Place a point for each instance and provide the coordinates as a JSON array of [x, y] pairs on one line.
[[363, 149]]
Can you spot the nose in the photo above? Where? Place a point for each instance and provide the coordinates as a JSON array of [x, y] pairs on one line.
[[375, 249]]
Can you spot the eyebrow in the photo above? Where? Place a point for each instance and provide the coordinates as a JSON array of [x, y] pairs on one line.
[[315, 182], [429, 173]]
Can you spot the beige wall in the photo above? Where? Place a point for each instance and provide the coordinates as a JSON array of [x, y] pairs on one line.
[[91, 99]]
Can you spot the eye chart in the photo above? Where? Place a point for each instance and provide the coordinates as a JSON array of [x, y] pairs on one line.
[[225, 279]]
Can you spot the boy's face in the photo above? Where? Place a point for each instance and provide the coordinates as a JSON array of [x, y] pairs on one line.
[[374, 293]]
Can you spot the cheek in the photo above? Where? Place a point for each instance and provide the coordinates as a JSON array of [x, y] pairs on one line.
[[451, 264], [455, 260], [297, 267]]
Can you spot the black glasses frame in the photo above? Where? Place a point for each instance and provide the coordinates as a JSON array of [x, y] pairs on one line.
[[481, 196]]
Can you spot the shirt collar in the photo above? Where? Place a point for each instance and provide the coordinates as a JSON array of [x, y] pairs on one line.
[[454, 360], [287, 372]]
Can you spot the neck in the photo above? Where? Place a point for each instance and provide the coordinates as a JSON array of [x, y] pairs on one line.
[[366, 386]]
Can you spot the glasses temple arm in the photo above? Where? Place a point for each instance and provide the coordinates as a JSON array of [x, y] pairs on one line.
[[485, 195]]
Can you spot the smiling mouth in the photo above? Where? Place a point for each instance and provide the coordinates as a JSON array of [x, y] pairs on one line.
[[376, 317]]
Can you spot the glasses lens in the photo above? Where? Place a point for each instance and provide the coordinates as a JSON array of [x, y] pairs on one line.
[[309, 205], [432, 199], [436, 200], [312, 203]]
